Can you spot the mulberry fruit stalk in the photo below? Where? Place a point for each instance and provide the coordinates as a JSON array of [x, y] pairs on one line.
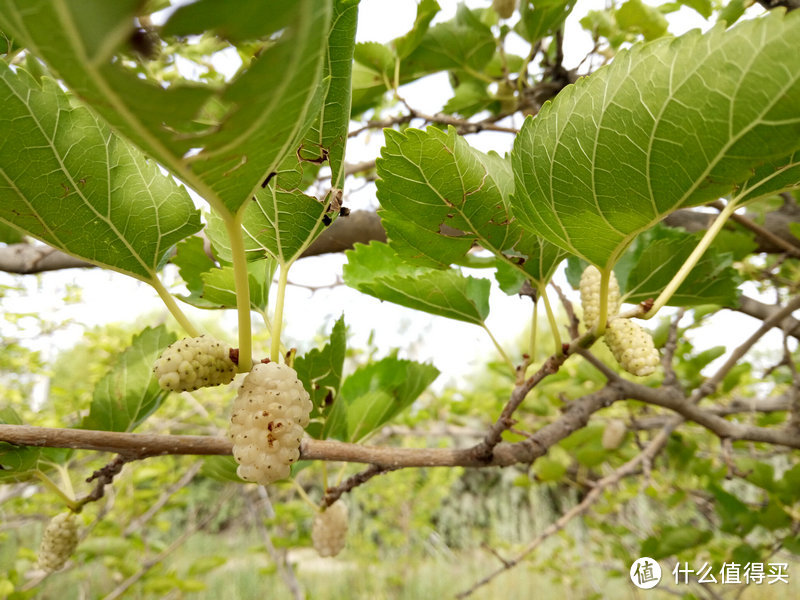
[[590, 295], [329, 531], [269, 415], [632, 346], [58, 541], [192, 363]]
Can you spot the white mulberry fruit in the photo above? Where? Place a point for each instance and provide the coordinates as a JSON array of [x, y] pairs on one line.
[[504, 8], [632, 346], [58, 541], [329, 531], [192, 363], [613, 434], [590, 295], [269, 415]]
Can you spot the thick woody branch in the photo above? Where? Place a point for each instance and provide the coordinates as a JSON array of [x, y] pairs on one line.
[[134, 446], [676, 402]]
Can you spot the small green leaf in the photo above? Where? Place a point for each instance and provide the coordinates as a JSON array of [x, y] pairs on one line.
[[406, 44], [219, 287], [378, 271], [548, 469], [637, 17], [246, 22], [462, 43], [92, 194], [610, 157], [375, 394], [18, 462], [703, 7], [192, 261], [129, 393], [221, 468], [539, 19], [276, 223], [320, 370]]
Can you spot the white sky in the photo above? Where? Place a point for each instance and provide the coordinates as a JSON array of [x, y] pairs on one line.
[[457, 349]]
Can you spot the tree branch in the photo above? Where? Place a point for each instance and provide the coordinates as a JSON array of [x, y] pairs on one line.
[[593, 496]]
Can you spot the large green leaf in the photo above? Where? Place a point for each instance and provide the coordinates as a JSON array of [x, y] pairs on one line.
[[375, 394], [277, 222], [378, 271], [237, 133], [439, 197], [68, 181], [669, 124], [320, 370], [129, 393]]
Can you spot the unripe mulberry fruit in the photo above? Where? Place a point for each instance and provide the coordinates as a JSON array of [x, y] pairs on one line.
[[269, 415], [58, 541], [613, 434], [590, 295], [329, 531], [504, 8], [192, 363], [632, 346]]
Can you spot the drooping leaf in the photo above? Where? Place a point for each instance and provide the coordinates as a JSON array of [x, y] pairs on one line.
[[374, 395], [244, 129], [219, 288], [376, 270], [129, 393], [328, 135], [320, 370], [90, 194], [614, 153], [439, 197]]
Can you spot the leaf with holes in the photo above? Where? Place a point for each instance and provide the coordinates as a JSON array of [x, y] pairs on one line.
[[439, 197], [244, 129]]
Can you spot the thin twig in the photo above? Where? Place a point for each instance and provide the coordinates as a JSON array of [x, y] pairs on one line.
[[593, 496], [710, 384], [760, 231], [332, 494], [137, 524], [671, 345], [278, 557], [149, 564]]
